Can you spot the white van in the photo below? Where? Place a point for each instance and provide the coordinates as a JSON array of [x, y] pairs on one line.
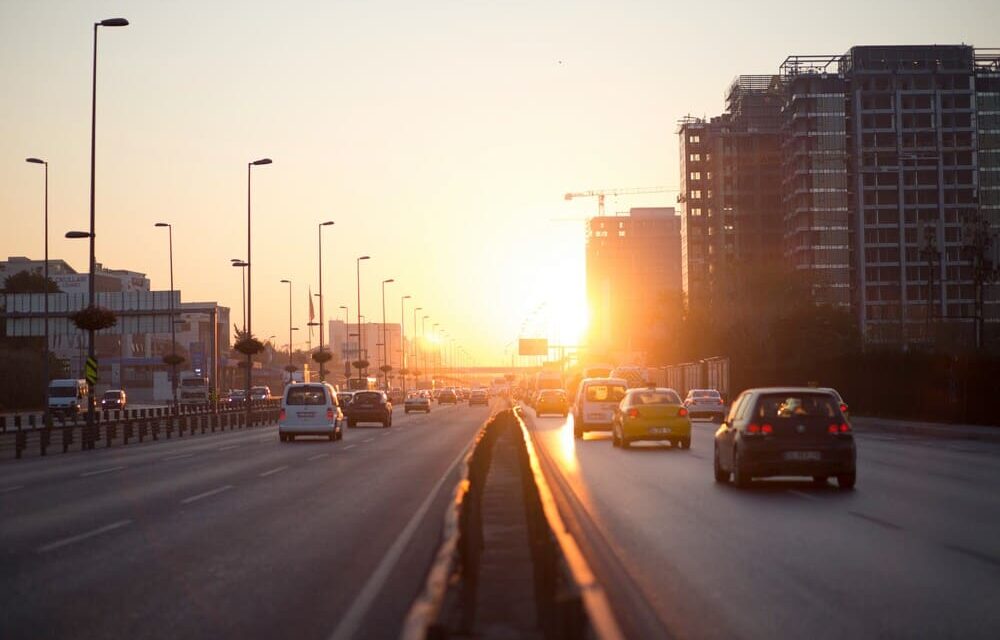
[[596, 401], [310, 409], [68, 398]]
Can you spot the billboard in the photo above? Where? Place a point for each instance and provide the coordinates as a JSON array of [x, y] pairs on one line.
[[533, 347]]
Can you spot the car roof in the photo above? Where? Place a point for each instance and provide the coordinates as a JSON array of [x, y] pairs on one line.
[[760, 390], [604, 381]]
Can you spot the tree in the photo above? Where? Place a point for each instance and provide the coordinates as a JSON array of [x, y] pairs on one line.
[[29, 282]]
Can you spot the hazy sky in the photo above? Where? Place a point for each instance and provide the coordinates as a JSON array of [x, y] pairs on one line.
[[439, 136]]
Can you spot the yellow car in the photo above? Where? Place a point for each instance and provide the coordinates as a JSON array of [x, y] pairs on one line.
[[653, 413]]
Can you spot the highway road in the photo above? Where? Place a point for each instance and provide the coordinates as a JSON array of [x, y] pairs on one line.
[[229, 535], [913, 552]]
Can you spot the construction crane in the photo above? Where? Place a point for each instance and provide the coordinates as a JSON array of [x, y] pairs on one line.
[[600, 193]]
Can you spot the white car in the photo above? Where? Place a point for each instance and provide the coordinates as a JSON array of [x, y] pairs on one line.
[[417, 402], [596, 401], [310, 409], [705, 403]]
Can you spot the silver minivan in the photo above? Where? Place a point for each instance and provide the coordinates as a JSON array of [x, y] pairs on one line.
[[310, 409]]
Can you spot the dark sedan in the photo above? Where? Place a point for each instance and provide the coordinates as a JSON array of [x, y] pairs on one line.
[[793, 431], [369, 406]]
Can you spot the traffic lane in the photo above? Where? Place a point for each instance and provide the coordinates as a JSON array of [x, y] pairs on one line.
[[783, 558], [29, 472], [283, 554], [108, 489]]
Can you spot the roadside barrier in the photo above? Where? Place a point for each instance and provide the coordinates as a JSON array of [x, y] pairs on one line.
[[569, 604], [124, 427]]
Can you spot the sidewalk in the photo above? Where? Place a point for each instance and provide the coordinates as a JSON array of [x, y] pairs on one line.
[[984, 433]]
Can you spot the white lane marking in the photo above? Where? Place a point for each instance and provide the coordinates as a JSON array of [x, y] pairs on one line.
[[803, 495], [179, 456], [14, 488], [350, 446], [272, 471], [349, 623], [368, 440], [232, 446], [206, 494], [318, 456], [52, 546], [98, 472]]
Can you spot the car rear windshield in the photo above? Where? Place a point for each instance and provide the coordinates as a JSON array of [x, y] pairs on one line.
[[655, 397], [193, 382], [62, 392], [111, 395], [367, 397], [705, 393], [776, 406], [550, 394], [605, 393], [306, 395]]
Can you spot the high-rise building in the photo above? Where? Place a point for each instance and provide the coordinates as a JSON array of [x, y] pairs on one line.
[[631, 261], [891, 167], [730, 189]]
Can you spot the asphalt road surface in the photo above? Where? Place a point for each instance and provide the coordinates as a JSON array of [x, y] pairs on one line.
[[913, 552], [230, 535]]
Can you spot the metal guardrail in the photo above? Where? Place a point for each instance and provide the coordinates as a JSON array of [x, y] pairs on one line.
[[123, 427], [569, 602]]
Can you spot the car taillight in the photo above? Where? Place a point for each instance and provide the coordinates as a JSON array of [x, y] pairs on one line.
[[682, 412], [839, 428], [753, 428], [843, 408], [845, 428], [632, 413], [766, 429], [281, 416], [329, 413]]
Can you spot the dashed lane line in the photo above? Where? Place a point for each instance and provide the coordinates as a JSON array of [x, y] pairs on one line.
[[273, 471], [206, 494], [232, 446], [13, 488], [98, 472], [350, 446], [179, 456], [52, 546], [318, 456]]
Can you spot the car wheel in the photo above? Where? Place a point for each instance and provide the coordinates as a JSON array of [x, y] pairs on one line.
[[720, 474], [625, 443], [740, 477], [406, 411], [290, 438], [333, 436], [351, 424], [820, 481], [614, 438], [686, 443], [577, 432], [846, 481], [281, 437]]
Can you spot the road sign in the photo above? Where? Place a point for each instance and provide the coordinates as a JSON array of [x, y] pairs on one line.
[[533, 347], [90, 370]]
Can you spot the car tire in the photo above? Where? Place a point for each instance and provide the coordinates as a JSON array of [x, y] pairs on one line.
[[333, 436], [625, 443], [820, 481], [614, 438], [290, 438], [406, 411], [578, 432], [846, 481], [721, 475], [351, 424], [685, 443], [740, 477], [281, 437]]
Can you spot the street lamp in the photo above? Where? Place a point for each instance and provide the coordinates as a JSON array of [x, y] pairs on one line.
[[237, 262], [290, 329], [322, 365], [358, 268], [437, 362], [423, 333], [91, 352], [249, 267], [416, 363], [402, 340], [385, 342], [45, 353], [173, 334]]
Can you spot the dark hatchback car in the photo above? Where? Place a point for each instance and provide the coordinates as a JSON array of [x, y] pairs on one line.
[[447, 396], [369, 406], [791, 431]]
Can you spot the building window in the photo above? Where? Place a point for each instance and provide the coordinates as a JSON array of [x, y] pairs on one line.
[[694, 139], [694, 195], [696, 211], [694, 157], [694, 175]]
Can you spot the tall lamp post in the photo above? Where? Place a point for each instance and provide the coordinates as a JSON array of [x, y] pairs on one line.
[[173, 333], [402, 341], [437, 358], [423, 334], [322, 365], [249, 267], [416, 363], [290, 328], [91, 352], [385, 342], [358, 268], [45, 353], [237, 262]]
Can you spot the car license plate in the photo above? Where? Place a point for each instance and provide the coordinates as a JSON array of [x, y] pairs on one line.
[[306, 414], [660, 430], [802, 455]]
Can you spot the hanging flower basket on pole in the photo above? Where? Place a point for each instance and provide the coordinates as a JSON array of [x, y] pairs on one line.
[[322, 356], [385, 368], [94, 318], [173, 359], [291, 368]]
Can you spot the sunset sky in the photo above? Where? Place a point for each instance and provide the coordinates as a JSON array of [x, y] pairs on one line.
[[439, 136]]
